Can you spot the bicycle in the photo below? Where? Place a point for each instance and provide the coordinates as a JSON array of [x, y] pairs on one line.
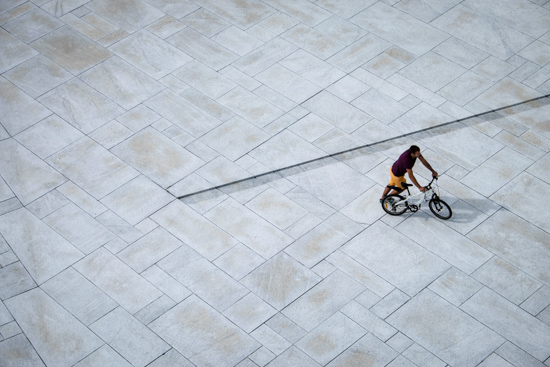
[[395, 204]]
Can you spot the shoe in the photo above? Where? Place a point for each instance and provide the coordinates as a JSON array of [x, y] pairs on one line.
[[381, 200]]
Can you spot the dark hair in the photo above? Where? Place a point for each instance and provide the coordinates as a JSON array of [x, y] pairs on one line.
[[413, 149]]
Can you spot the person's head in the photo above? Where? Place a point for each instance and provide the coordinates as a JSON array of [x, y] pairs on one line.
[[414, 151]]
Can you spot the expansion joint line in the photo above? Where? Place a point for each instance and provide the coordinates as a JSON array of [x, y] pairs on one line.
[[333, 155]]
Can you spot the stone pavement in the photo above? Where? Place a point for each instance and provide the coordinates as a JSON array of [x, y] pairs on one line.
[[111, 110]]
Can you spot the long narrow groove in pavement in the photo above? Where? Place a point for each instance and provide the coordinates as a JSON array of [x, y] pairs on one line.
[[334, 155]]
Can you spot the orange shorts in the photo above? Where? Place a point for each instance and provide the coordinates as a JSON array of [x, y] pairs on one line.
[[396, 181]]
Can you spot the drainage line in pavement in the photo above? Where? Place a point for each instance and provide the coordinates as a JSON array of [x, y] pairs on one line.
[[360, 147]]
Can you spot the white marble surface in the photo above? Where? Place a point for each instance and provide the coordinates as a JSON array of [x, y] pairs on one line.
[[109, 110]]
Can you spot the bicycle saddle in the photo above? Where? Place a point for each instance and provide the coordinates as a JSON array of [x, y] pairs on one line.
[[405, 185]]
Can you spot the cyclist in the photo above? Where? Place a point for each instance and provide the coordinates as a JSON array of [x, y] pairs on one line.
[[404, 164]]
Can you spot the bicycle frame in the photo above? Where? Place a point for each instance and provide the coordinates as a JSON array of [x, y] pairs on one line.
[[425, 196]]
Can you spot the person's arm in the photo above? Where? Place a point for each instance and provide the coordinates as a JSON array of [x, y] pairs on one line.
[[413, 179], [427, 165]]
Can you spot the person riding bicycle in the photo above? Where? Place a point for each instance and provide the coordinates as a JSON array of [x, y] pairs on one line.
[[404, 164]]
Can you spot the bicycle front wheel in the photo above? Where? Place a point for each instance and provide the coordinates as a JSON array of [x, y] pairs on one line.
[[441, 209], [388, 204]]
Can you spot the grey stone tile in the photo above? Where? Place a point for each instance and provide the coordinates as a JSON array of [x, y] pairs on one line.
[[202, 278], [441, 71], [280, 280], [20, 110], [82, 27], [121, 82], [210, 241], [323, 300], [272, 26], [337, 112], [506, 92], [534, 20], [399, 342], [380, 106], [293, 357], [368, 351], [171, 358], [251, 107], [260, 357], [81, 106], [111, 134], [425, 11], [50, 328], [19, 166], [369, 321], [311, 127], [389, 304], [149, 249], [17, 351], [32, 25], [237, 40], [277, 209], [182, 113], [8, 258], [79, 228], [384, 65], [538, 169], [249, 312], [15, 51], [507, 280], [236, 137], [538, 301], [165, 26], [130, 15], [444, 242], [335, 184], [15, 280], [37, 76], [249, 228], [105, 270], [467, 343], [348, 88], [518, 326], [517, 356], [358, 53], [288, 83], [121, 228], [286, 328], [168, 285], [202, 48], [205, 22], [379, 249], [340, 29], [303, 10], [71, 50], [313, 41], [455, 286], [331, 338], [465, 88], [41, 261], [204, 79], [323, 240], [243, 14], [480, 31], [522, 190], [102, 356], [270, 339], [157, 157], [150, 54], [240, 78], [521, 146], [422, 357], [345, 9], [420, 38], [285, 149], [92, 167], [130, 338], [202, 335], [137, 200], [48, 136], [239, 261], [264, 56], [508, 229], [79, 296], [58, 9], [536, 52]]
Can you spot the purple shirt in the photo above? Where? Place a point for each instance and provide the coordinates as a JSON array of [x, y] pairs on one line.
[[404, 162]]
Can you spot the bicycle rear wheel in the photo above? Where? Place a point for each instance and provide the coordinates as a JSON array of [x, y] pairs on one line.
[[392, 209], [441, 209]]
